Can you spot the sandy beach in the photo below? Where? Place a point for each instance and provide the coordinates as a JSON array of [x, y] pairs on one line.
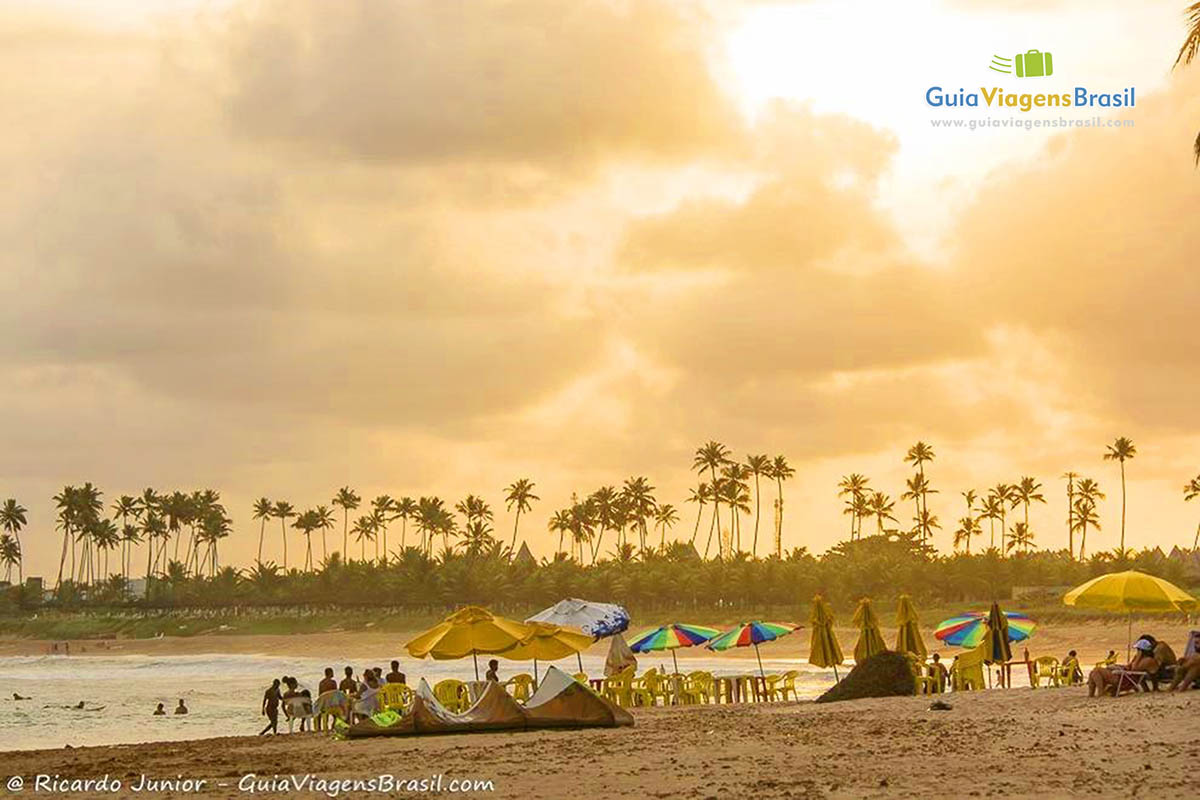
[[1045, 743]]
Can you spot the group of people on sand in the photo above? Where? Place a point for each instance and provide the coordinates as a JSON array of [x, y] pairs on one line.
[[1153, 662], [359, 692]]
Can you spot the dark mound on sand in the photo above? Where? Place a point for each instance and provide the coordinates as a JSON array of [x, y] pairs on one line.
[[884, 675]]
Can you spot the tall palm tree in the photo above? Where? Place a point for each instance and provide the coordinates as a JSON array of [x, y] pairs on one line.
[[1087, 496], [1187, 52], [854, 487], [381, 507], [306, 524], [919, 455], [758, 465], [991, 510], [1070, 478], [780, 471], [13, 519], [710, 457], [347, 500], [283, 511], [1190, 492], [1022, 538], [665, 517], [560, 523], [605, 501], [264, 510], [881, 508], [638, 495], [519, 495], [1005, 494], [364, 530], [968, 527], [406, 509], [1122, 450], [10, 556], [700, 496], [323, 521], [1028, 491]]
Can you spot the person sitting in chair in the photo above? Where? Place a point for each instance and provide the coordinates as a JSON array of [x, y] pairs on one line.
[[1111, 680], [1070, 668]]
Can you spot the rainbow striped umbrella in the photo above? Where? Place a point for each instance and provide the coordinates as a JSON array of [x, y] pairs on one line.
[[968, 630], [751, 634], [672, 637]]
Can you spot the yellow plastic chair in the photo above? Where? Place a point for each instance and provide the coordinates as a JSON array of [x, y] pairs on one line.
[[1069, 672], [966, 673], [780, 686], [1045, 668], [617, 688], [520, 686], [647, 688], [394, 697], [452, 694], [697, 688]]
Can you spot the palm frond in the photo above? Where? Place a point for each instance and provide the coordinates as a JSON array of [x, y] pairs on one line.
[[1191, 45], [1196, 149]]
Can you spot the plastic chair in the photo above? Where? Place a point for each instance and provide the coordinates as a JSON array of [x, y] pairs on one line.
[[780, 686], [520, 686], [646, 689], [394, 697], [966, 673], [697, 688], [452, 694], [617, 688], [582, 677], [1069, 673], [1045, 668], [923, 680]]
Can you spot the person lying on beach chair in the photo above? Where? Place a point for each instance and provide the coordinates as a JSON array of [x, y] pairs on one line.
[[1116, 680]]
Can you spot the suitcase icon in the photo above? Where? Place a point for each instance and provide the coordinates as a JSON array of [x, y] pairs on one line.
[[1034, 64]]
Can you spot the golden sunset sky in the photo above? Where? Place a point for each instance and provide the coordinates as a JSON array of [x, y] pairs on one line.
[[428, 247]]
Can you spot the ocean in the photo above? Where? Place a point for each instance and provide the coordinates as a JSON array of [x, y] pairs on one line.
[[223, 692]]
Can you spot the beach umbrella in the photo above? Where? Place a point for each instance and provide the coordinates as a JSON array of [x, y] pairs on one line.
[[870, 640], [968, 630], [824, 651], [908, 629], [1127, 592], [549, 642], [595, 619], [468, 632], [750, 634], [996, 641], [672, 637]]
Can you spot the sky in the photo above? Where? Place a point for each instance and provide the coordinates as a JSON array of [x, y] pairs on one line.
[[423, 247]]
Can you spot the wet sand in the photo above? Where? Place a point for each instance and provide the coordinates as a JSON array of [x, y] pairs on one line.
[[1010, 743]]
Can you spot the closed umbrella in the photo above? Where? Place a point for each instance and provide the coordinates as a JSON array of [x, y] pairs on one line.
[[870, 640], [1130, 591], [997, 649], [467, 632], [908, 629], [549, 642], [824, 651]]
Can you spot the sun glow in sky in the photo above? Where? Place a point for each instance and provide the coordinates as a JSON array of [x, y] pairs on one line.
[[281, 246]]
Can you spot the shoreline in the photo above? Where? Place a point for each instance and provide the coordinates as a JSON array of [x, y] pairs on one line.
[[1055, 743]]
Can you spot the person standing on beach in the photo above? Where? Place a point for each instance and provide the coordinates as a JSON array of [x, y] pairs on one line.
[[348, 684], [270, 708], [396, 676], [327, 684]]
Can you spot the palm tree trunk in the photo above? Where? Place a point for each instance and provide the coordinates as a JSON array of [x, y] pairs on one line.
[[516, 522], [62, 560], [1122, 508], [1082, 538], [346, 533], [283, 531], [696, 527]]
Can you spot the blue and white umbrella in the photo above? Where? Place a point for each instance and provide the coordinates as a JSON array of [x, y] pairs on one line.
[[597, 620]]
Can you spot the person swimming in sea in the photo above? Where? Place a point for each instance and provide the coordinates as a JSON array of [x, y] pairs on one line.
[[181, 708], [19, 697], [160, 711]]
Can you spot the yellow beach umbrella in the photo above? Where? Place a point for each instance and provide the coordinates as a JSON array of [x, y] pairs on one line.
[[467, 632], [870, 640], [1130, 591], [825, 651], [549, 642], [908, 633]]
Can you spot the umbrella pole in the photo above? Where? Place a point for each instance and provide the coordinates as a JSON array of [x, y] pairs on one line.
[[758, 655], [675, 660], [579, 658], [535, 678], [475, 658], [1129, 639], [836, 679]]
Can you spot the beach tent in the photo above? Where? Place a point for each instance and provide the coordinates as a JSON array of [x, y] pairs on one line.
[[870, 640], [561, 701], [1130, 591], [468, 632], [495, 710], [908, 629], [824, 650], [549, 642]]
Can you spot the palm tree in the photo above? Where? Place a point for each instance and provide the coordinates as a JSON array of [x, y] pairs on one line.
[[918, 455], [700, 496], [639, 499], [12, 519], [10, 555], [1187, 52], [364, 531], [1071, 476], [381, 507], [283, 511], [1026, 492], [709, 457], [665, 517], [1088, 494], [406, 509], [1022, 537], [323, 521], [560, 523], [854, 487], [758, 465], [991, 510], [605, 502], [881, 508], [1004, 494], [1190, 492], [306, 523], [519, 495], [347, 500], [780, 471], [1122, 449], [582, 525], [264, 510], [968, 527]]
